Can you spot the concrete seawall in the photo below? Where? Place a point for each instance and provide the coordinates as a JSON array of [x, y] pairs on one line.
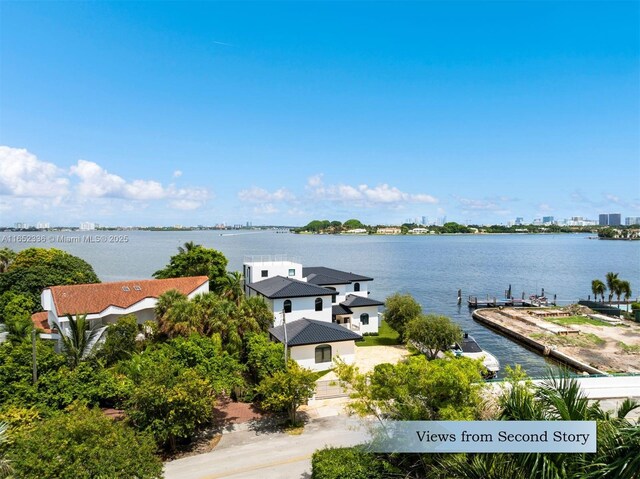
[[535, 345]]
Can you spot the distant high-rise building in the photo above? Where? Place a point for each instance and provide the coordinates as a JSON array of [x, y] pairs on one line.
[[547, 220], [42, 226], [615, 219], [21, 226], [519, 220], [537, 222], [424, 220], [611, 219], [87, 226], [632, 220]]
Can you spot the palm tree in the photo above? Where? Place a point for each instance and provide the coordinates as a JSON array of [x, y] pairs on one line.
[[598, 288], [6, 257], [188, 246], [165, 303], [80, 339], [558, 398], [258, 310], [232, 285], [625, 288], [5, 466], [18, 328], [612, 279]]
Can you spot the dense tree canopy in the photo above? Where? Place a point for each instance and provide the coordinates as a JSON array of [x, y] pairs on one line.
[[35, 269], [196, 260], [83, 444], [287, 390], [417, 389], [399, 310], [432, 333]]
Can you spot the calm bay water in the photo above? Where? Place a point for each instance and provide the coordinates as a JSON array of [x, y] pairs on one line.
[[431, 268]]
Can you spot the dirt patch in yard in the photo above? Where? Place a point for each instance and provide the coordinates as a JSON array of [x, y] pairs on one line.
[[367, 358], [608, 348]]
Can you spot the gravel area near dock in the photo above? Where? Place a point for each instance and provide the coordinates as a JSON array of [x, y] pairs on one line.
[[609, 348]]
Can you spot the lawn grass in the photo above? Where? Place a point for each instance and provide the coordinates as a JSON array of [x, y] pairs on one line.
[[583, 340], [629, 348], [386, 337], [578, 320]]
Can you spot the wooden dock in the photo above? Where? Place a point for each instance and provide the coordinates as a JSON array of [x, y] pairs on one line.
[[476, 303]]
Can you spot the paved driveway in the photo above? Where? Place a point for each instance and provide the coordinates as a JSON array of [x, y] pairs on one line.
[[252, 454]]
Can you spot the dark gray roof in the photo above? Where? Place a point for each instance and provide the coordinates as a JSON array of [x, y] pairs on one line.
[[322, 276], [339, 309], [353, 301], [312, 331], [281, 287]]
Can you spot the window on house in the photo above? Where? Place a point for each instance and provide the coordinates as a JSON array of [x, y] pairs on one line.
[[292, 272], [364, 319], [265, 273], [287, 305], [356, 286], [333, 298], [318, 304], [323, 354]]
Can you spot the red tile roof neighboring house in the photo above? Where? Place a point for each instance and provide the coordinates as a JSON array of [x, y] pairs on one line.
[[95, 298], [40, 321]]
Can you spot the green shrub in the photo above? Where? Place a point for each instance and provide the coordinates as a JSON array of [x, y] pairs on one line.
[[349, 463], [83, 444]]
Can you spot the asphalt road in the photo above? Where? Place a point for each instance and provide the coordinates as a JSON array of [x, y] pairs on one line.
[[258, 455]]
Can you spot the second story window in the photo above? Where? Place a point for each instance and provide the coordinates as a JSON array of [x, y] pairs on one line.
[[318, 304], [292, 272], [265, 273], [356, 286], [287, 305]]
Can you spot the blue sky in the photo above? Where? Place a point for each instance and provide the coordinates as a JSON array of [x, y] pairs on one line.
[[278, 113]]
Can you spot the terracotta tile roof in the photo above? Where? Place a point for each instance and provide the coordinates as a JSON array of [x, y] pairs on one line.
[[40, 321], [95, 298]]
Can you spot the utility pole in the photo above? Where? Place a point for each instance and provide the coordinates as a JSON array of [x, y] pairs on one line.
[[33, 351], [284, 326]]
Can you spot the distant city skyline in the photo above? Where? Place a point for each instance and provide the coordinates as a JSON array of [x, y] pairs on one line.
[[164, 113]]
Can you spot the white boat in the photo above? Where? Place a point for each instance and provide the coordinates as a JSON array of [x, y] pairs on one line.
[[470, 349]]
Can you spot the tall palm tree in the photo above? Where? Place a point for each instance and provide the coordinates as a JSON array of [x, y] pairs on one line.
[[5, 465], [612, 279], [257, 309], [80, 340], [18, 328], [625, 288], [232, 286], [598, 288], [188, 246], [165, 303]]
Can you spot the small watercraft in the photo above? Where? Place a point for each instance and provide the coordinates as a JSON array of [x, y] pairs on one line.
[[469, 348]]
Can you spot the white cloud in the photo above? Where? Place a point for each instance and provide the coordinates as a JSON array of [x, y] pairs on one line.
[[265, 209], [315, 181], [177, 174], [364, 195], [260, 195], [25, 181], [23, 175], [186, 205], [494, 205]]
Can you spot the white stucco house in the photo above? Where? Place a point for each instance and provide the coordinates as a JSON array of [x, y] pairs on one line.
[[314, 344], [327, 309], [104, 303]]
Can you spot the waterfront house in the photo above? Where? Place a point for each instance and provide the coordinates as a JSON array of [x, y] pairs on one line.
[[104, 303], [325, 309], [314, 344], [315, 292]]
